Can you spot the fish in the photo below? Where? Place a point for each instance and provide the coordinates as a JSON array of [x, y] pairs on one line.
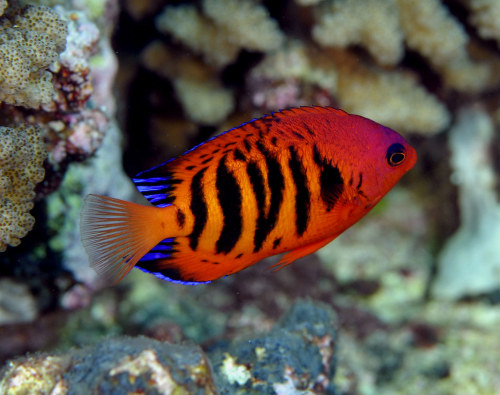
[[289, 182]]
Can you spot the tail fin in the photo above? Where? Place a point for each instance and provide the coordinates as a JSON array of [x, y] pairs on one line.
[[116, 234]]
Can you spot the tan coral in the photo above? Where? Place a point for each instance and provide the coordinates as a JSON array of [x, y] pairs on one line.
[[486, 16], [3, 6], [30, 41], [297, 61], [373, 24], [22, 153], [187, 25], [437, 35], [424, 26], [394, 99], [432, 31], [196, 85], [43, 20], [224, 29], [247, 23]]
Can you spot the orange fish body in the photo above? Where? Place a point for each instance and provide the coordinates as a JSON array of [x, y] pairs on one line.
[[289, 182]]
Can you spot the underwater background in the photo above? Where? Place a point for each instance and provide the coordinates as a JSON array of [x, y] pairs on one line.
[[407, 301]]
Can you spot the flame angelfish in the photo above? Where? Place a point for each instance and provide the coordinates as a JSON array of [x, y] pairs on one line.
[[288, 182]]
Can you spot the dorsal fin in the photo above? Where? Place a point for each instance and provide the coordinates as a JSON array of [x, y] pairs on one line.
[[308, 110], [157, 184]]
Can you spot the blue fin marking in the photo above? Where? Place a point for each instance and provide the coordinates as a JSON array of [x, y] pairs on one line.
[[165, 278]]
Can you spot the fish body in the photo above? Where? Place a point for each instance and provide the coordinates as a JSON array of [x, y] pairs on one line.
[[288, 182]]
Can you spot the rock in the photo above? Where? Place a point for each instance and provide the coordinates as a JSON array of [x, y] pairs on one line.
[[17, 304], [119, 365], [296, 357]]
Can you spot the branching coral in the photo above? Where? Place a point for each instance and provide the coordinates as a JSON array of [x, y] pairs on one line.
[[485, 15], [22, 153], [3, 6], [407, 106], [201, 94], [469, 263], [30, 41], [426, 26], [430, 29], [371, 23], [223, 29]]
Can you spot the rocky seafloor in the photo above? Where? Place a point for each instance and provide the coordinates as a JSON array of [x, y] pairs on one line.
[[405, 302]]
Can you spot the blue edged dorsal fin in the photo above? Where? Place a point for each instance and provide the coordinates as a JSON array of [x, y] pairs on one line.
[[157, 185]]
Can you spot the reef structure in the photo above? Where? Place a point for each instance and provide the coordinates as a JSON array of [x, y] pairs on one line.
[[46, 93]]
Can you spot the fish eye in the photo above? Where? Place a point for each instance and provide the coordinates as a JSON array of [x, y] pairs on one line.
[[396, 154]]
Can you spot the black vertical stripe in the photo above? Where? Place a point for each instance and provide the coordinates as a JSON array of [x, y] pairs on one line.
[[257, 181], [276, 183], [181, 218], [230, 199], [238, 155], [198, 207], [302, 193], [331, 181], [360, 181], [257, 127], [248, 147]]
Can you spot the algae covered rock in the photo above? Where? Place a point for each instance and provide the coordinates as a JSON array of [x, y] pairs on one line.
[[296, 357], [119, 365]]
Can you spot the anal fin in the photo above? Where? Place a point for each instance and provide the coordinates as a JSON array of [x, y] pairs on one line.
[[180, 264]]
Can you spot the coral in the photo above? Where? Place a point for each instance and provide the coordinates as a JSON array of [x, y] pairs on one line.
[[140, 8], [222, 30], [246, 22], [22, 153], [430, 29], [3, 6], [373, 24], [485, 16], [30, 41], [469, 263], [197, 87], [407, 106], [426, 26], [101, 174]]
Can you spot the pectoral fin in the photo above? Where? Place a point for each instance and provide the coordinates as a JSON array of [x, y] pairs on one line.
[[300, 252]]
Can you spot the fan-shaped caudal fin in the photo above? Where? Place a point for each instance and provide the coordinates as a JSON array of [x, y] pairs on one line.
[[116, 233], [300, 252]]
